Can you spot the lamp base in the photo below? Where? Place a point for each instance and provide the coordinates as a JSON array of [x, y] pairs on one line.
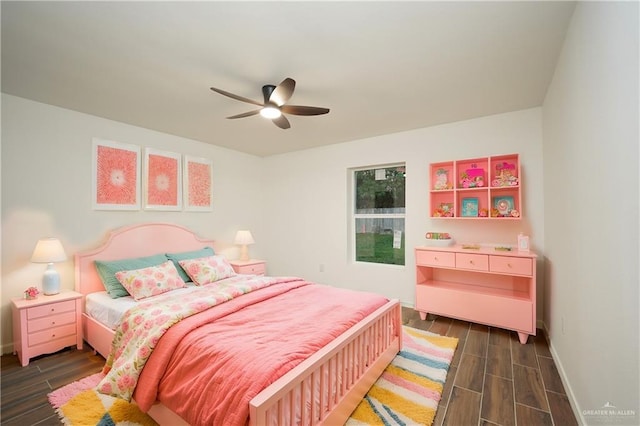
[[50, 281], [244, 253]]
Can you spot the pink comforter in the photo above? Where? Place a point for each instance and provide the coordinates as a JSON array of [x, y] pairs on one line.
[[209, 366]]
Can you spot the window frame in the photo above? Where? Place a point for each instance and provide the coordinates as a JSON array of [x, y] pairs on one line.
[[353, 216]]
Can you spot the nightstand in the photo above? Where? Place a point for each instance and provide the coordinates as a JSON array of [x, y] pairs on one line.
[[251, 266], [46, 324]]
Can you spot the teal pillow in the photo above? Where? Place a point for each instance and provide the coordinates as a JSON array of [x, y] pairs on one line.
[[107, 271], [186, 255]]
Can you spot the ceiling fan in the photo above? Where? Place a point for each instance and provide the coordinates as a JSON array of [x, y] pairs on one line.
[[274, 105]]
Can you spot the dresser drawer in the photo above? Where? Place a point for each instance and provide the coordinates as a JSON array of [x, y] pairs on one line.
[[51, 321], [51, 334], [440, 259], [474, 262], [511, 265], [50, 309]]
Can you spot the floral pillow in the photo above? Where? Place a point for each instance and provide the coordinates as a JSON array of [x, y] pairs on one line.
[[206, 270], [151, 281]]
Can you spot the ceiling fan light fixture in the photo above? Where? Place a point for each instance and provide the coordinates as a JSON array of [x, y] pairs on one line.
[[270, 111]]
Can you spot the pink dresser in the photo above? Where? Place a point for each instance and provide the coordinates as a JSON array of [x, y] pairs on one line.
[[496, 288]]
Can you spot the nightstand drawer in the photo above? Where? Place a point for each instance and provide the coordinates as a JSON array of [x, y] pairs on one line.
[[51, 334], [50, 309], [255, 269], [51, 321]]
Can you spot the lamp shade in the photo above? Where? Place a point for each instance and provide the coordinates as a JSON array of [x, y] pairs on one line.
[[48, 250], [244, 237]]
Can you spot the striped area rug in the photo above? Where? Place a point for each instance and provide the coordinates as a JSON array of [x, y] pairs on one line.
[[410, 388]]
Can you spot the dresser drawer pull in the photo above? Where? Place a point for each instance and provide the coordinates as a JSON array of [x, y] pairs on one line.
[[471, 262], [435, 258]]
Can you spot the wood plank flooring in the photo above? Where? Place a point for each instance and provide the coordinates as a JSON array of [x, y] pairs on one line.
[[493, 379]]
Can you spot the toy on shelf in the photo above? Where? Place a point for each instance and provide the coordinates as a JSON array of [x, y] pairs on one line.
[[444, 210], [442, 180], [505, 175], [472, 178], [471, 246], [441, 239]]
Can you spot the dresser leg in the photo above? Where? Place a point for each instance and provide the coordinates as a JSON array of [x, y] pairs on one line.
[[523, 337], [423, 315]]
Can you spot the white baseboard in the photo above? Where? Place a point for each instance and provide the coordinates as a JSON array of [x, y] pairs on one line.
[[565, 381], [7, 349]]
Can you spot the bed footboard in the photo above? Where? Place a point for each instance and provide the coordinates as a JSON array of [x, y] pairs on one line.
[[326, 388]]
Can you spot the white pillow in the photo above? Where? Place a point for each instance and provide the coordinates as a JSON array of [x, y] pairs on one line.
[[151, 281], [206, 270]]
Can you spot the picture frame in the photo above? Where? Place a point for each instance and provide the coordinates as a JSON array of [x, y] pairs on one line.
[[115, 176], [503, 205], [162, 180], [197, 184], [523, 243], [469, 207]]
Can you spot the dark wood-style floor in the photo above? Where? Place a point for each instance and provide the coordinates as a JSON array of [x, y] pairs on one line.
[[493, 379]]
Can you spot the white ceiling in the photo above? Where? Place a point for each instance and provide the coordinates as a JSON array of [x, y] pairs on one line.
[[381, 67]]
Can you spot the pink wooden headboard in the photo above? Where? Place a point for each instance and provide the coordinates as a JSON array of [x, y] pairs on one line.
[[133, 241]]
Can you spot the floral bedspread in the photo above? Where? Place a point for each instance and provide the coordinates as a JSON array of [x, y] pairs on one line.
[[142, 326]]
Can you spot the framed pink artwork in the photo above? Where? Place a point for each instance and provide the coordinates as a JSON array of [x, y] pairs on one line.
[[162, 181], [115, 175], [198, 184]]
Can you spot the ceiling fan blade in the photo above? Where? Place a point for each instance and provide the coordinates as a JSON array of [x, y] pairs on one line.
[[283, 91], [236, 97], [245, 114], [303, 110], [281, 122]]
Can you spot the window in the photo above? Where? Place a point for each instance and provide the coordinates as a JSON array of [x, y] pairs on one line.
[[378, 214]]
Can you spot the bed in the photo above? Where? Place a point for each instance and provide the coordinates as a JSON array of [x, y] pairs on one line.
[[323, 388]]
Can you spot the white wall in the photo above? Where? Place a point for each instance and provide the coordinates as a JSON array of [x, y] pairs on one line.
[[307, 198], [46, 191], [590, 121]]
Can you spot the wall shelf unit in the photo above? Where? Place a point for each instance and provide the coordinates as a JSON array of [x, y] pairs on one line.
[[486, 188]]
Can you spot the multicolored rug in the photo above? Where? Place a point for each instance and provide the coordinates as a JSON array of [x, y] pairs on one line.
[[407, 393], [411, 386], [79, 404]]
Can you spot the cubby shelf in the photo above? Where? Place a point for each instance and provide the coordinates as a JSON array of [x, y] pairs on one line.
[[485, 188]]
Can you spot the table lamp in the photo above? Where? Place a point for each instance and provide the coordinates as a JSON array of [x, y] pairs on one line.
[[49, 251], [244, 238]]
